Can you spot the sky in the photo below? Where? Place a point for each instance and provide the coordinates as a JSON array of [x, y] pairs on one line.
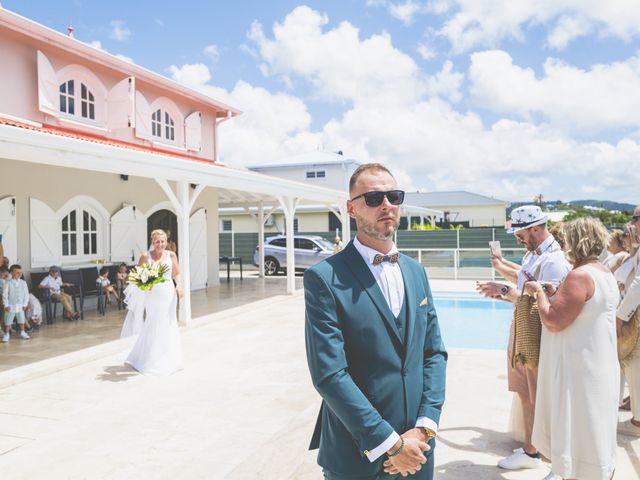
[[504, 98]]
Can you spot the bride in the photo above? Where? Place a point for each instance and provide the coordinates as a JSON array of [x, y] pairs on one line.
[[152, 315]]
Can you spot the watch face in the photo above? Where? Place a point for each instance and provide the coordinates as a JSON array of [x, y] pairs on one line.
[[504, 290]]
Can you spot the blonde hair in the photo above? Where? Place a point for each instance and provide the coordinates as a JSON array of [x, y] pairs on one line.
[[632, 233], [157, 233], [585, 238], [558, 234]]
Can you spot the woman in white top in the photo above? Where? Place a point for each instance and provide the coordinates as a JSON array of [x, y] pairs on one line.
[[616, 251], [578, 377], [157, 349]]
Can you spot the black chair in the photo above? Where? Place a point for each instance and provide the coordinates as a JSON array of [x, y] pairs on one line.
[[74, 277], [44, 294], [90, 287]]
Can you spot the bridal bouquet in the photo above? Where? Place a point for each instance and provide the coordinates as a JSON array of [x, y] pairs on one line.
[[146, 276]]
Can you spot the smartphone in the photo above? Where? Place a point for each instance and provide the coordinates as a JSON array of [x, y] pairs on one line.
[[496, 251], [528, 276]]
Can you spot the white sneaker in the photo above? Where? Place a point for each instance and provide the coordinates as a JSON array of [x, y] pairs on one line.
[[552, 476], [5, 338], [628, 428], [519, 460], [24, 335]]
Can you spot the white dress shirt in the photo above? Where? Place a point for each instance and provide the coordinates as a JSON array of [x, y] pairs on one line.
[[547, 263], [52, 283], [389, 278]]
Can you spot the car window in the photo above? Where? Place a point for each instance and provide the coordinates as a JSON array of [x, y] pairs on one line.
[[278, 242], [305, 244], [327, 245]]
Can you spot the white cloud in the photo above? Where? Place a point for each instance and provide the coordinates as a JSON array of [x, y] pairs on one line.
[[601, 98], [96, 44], [158, 22], [212, 51], [567, 29], [272, 126], [426, 52], [405, 12], [338, 63], [119, 31], [480, 23], [396, 114], [192, 75]]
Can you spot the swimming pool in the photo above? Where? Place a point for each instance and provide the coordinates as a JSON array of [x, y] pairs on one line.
[[468, 320]]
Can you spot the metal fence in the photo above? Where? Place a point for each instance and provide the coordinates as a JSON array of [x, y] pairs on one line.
[[455, 254]]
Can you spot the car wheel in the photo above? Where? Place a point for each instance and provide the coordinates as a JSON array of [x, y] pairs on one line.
[[271, 266]]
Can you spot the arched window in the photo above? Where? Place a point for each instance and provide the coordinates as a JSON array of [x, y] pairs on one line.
[[82, 95], [68, 100], [79, 234], [163, 129], [165, 115]]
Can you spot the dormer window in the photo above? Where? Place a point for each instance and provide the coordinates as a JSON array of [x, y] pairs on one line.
[[163, 129], [68, 100]]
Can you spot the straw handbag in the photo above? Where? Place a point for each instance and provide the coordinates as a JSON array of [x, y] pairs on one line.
[[527, 329], [630, 334]]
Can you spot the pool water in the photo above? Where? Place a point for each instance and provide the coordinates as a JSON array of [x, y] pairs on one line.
[[471, 321]]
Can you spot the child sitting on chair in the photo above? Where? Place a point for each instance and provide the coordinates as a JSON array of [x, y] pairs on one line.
[[107, 289], [121, 277], [53, 282], [15, 298]]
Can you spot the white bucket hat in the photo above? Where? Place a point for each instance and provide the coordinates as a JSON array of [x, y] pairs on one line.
[[525, 217]]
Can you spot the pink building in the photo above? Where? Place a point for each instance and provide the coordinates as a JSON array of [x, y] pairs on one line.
[[95, 152]]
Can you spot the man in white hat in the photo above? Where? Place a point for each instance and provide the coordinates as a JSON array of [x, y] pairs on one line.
[[545, 261]]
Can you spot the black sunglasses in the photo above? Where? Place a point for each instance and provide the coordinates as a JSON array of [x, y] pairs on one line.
[[375, 199], [635, 218]]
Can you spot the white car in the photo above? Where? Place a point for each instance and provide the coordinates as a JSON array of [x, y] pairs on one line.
[[308, 250]]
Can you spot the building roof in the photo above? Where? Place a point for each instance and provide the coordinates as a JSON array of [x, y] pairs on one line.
[[309, 159], [32, 29], [459, 197]]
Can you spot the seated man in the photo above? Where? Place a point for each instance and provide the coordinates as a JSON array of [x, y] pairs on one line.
[[53, 282]]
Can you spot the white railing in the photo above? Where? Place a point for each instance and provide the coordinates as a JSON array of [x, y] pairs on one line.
[[460, 263]]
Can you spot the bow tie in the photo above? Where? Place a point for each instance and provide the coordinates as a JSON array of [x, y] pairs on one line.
[[378, 259]]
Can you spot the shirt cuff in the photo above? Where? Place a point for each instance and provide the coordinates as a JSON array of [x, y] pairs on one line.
[[377, 452], [426, 422]]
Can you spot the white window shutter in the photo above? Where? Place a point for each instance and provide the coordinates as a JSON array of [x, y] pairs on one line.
[[8, 229], [193, 132], [48, 100], [198, 249], [121, 104], [128, 235], [46, 235], [143, 117]]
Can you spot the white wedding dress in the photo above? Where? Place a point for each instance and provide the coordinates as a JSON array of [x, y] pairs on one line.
[[151, 321]]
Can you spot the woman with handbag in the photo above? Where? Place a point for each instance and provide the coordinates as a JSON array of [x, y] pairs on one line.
[[578, 376], [628, 330]]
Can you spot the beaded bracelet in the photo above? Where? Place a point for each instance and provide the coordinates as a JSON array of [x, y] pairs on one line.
[[398, 450]]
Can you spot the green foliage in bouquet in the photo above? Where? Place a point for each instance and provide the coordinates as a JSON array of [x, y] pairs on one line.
[[146, 276]]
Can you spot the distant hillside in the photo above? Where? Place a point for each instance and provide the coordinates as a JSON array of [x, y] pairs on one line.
[[606, 204]]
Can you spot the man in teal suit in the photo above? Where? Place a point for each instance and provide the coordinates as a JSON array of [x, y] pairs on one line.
[[373, 346]]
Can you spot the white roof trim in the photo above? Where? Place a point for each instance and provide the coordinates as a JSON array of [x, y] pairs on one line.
[[33, 146]]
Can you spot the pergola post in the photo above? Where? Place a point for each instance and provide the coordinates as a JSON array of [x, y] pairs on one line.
[[289, 208], [345, 219], [183, 203], [261, 221]]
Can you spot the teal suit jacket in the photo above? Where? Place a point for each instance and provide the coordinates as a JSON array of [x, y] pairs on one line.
[[371, 381]]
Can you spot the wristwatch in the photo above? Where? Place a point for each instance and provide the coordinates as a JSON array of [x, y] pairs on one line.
[[504, 290], [428, 433]]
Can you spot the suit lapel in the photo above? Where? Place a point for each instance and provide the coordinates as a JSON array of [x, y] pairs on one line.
[[361, 271], [409, 295]]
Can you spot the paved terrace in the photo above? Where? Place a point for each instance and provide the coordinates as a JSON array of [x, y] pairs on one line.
[[243, 408]]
